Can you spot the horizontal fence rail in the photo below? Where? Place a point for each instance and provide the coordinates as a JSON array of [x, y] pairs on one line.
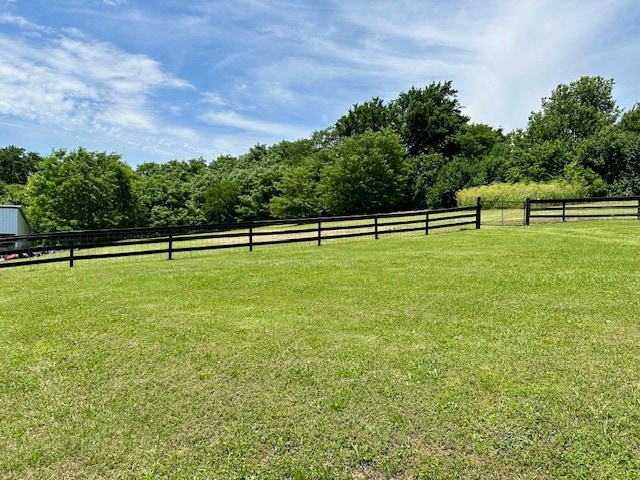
[[74, 246], [581, 208]]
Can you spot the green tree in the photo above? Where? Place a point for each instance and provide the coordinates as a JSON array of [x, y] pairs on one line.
[[170, 192], [455, 175], [575, 111], [13, 194], [613, 155], [81, 190], [299, 191], [476, 140], [630, 121], [259, 174], [428, 118], [17, 165], [422, 174], [221, 199], [365, 174], [373, 115]]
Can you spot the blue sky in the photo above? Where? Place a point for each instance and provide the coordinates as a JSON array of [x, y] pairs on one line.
[[160, 80]]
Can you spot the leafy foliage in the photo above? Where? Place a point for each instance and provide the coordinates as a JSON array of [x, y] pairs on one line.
[[169, 192], [428, 118], [300, 192], [414, 151], [17, 165], [365, 175], [82, 190], [373, 115], [575, 111], [220, 200], [630, 121]]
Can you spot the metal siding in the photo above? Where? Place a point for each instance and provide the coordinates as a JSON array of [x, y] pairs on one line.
[[23, 226], [8, 221]]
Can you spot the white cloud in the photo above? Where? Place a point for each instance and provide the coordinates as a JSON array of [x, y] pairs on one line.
[[210, 76], [9, 19], [213, 98], [79, 84], [502, 57], [234, 120]]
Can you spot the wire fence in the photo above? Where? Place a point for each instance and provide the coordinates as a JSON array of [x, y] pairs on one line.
[[504, 214]]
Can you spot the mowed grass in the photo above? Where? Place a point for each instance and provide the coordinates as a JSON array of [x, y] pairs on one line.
[[498, 353]]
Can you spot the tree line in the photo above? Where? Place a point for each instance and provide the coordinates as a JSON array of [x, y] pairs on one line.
[[413, 152]]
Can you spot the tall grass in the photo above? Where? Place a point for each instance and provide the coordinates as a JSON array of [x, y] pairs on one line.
[[501, 195], [484, 354]]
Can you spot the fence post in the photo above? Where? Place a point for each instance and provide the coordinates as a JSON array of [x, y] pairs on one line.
[[71, 253], [564, 210], [638, 209], [527, 211], [170, 245], [319, 233], [251, 238], [478, 212], [426, 224], [375, 224]]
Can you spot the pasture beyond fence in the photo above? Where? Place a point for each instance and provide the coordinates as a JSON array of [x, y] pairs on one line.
[[581, 209], [74, 246]]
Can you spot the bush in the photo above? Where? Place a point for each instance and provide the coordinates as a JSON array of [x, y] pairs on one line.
[[500, 195]]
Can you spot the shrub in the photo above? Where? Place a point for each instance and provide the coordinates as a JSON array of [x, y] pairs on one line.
[[499, 195]]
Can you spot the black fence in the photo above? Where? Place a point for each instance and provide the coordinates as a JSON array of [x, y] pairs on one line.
[[73, 246], [581, 208]]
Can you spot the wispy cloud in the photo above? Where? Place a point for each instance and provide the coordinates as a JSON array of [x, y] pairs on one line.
[[180, 79], [80, 84], [9, 19], [250, 125]]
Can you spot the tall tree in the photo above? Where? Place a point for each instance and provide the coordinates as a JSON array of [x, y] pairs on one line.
[[81, 190], [373, 115], [574, 111], [221, 199], [365, 175], [16, 165], [630, 121], [299, 190], [475, 140], [422, 174], [428, 118], [612, 154], [169, 192]]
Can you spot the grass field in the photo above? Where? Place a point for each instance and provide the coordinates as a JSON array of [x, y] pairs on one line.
[[497, 353]]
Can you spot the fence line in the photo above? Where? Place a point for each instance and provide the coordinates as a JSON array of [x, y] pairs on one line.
[[581, 208], [74, 246]]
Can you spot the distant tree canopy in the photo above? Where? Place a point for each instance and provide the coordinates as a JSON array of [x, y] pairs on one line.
[[575, 111], [412, 152], [373, 115], [425, 118], [16, 166], [169, 192], [365, 174], [82, 190]]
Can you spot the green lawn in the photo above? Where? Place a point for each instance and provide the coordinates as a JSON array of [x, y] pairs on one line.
[[497, 353]]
